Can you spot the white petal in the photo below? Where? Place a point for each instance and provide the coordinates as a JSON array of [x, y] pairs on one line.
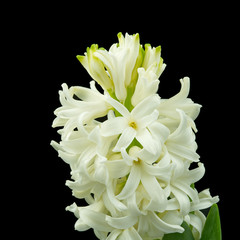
[[158, 198], [109, 205], [128, 159], [56, 146], [147, 141], [113, 126], [143, 224], [117, 168], [117, 204], [183, 200], [163, 173], [118, 106], [86, 94], [159, 131], [101, 172], [114, 234], [148, 119], [183, 134], [187, 189], [125, 139], [205, 201], [68, 157], [163, 226], [132, 206], [147, 84], [130, 233], [116, 68], [95, 220], [183, 152], [74, 209], [81, 226], [168, 107], [197, 223], [173, 217], [147, 156], [75, 146], [146, 107], [121, 222], [132, 183], [196, 174]]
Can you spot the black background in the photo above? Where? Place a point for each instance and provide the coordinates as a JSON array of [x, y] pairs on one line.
[[198, 42]]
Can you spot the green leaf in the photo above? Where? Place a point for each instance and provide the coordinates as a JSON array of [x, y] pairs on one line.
[[212, 227], [186, 235]]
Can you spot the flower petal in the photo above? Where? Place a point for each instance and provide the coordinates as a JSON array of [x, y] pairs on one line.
[[147, 120], [118, 106], [113, 126], [159, 131], [125, 139], [101, 173], [114, 234], [157, 195], [147, 85], [168, 107], [81, 226], [183, 134], [87, 94], [147, 141], [146, 107], [197, 223], [121, 222], [132, 206], [205, 201], [183, 152], [95, 67], [147, 156], [164, 173], [196, 174], [95, 220], [187, 189], [128, 159], [118, 168], [163, 226], [130, 233], [183, 200], [173, 217], [132, 183], [116, 203]]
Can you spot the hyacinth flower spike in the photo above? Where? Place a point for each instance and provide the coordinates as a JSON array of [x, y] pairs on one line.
[[132, 154]]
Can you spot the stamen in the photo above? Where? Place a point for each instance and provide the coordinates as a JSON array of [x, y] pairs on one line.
[[132, 124]]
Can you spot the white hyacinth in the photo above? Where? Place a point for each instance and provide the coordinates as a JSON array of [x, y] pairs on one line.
[[133, 167]]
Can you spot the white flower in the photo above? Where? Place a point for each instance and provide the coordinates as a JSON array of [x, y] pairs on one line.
[[134, 124], [153, 178], [167, 109], [155, 225], [196, 220], [181, 143], [180, 185], [120, 61], [90, 102], [85, 150], [96, 68]]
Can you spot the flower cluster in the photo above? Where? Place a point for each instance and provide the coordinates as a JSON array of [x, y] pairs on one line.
[[129, 150]]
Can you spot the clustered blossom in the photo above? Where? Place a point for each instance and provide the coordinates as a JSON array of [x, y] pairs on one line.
[[129, 150]]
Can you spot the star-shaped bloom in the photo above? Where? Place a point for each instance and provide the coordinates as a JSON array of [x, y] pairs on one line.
[[153, 177], [135, 124]]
